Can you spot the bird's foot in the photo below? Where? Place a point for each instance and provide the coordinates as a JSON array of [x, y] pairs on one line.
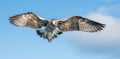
[[59, 32]]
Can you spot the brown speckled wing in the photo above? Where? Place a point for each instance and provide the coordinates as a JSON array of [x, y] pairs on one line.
[[78, 23], [28, 19]]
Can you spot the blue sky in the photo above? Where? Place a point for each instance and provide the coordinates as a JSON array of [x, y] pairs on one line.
[[23, 43]]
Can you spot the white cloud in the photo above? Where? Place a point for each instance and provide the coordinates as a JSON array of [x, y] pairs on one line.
[[111, 33], [104, 44], [108, 37]]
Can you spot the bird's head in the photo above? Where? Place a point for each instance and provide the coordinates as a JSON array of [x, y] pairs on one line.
[[53, 22]]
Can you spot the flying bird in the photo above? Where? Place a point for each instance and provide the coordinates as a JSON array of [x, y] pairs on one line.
[[52, 27]]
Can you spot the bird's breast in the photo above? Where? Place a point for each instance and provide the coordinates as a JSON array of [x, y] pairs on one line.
[[50, 28]]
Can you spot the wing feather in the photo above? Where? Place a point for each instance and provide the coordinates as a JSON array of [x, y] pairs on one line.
[[28, 19], [77, 23]]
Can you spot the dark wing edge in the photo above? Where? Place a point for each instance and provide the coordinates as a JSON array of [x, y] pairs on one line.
[[28, 19], [78, 23]]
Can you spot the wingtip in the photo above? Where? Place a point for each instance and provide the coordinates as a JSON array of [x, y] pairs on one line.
[[104, 25], [10, 20]]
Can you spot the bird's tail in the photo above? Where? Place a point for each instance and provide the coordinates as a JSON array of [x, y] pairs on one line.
[[48, 35]]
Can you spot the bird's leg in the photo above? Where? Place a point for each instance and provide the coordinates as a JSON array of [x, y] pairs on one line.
[[59, 32]]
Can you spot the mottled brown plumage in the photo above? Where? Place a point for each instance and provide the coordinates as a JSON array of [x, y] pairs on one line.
[[54, 27], [78, 23], [28, 19]]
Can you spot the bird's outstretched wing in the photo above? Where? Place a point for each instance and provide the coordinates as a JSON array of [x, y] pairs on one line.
[[77, 23], [28, 19]]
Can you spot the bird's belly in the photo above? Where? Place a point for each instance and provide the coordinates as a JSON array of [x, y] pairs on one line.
[[50, 28]]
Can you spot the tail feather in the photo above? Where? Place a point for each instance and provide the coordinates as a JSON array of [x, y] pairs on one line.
[[48, 35], [51, 36]]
